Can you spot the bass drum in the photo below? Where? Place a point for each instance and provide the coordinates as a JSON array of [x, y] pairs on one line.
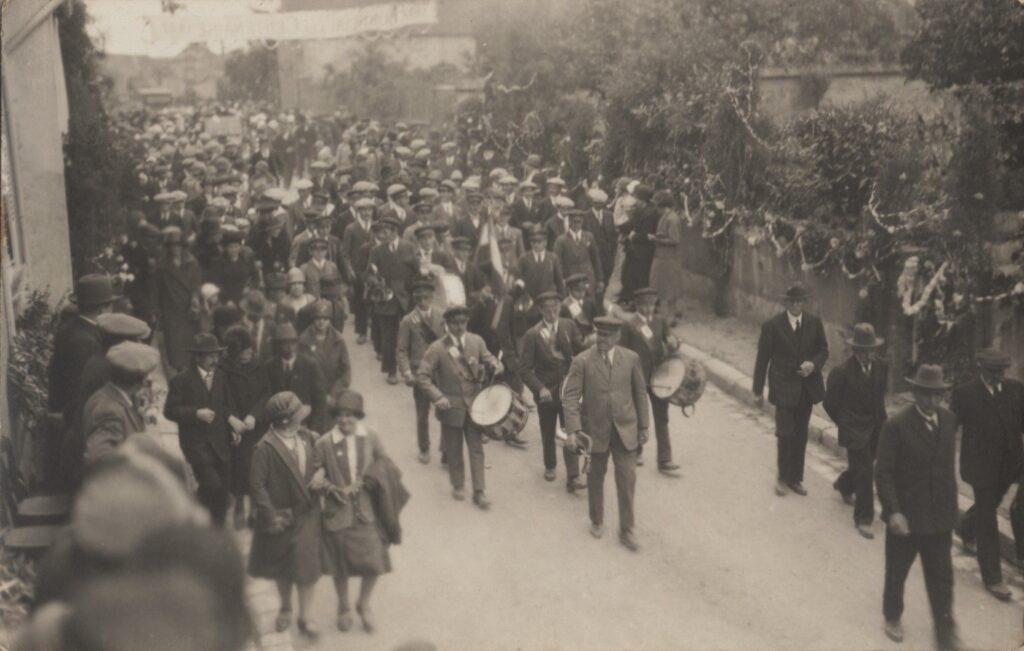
[[499, 412], [448, 291], [679, 380]]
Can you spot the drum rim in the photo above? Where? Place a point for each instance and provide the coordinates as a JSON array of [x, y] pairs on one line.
[[511, 400], [662, 390]]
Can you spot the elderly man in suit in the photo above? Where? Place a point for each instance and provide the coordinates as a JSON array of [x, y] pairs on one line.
[[111, 415], [650, 337], [916, 479], [546, 351], [990, 409], [605, 397], [291, 370], [198, 400], [791, 351], [539, 268], [578, 253], [855, 401], [452, 372], [419, 328]]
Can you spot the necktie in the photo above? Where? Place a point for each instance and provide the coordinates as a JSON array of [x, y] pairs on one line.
[[208, 380], [797, 328], [608, 359]]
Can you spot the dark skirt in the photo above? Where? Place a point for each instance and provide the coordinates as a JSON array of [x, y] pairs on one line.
[[293, 554], [358, 550], [241, 462]]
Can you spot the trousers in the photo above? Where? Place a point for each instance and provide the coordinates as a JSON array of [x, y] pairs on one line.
[[549, 414], [214, 479], [791, 439], [859, 480], [980, 525], [937, 563], [387, 325], [422, 400], [452, 438], [625, 482], [360, 307], [659, 412]]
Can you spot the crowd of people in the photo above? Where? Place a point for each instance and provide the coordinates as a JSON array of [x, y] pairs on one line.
[[247, 253]]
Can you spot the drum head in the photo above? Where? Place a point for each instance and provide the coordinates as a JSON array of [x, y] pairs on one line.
[[667, 377], [491, 405]]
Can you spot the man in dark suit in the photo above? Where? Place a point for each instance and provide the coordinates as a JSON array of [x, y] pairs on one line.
[[579, 304], [650, 337], [357, 235], [558, 224], [545, 353], [429, 260], [990, 409], [539, 268], [78, 340], [198, 400], [605, 397], [601, 224], [577, 252], [419, 328], [791, 351], [392, 260], [526, 208], [446, 210], [916, 479], [469, 224], [855, 401], [290, 370], [473, 279]]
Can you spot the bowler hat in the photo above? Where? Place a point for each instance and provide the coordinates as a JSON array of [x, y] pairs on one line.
[[864, 337], [93, 290], [929, 377], [205, 343], [797, 292], [992, 358], [538, 233]]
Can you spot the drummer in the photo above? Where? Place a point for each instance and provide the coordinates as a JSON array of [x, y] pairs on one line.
[[650, 337], [418, 329], [546, 351], [452, 373]]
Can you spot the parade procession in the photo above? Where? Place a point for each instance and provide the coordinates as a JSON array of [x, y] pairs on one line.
[[382, 291]]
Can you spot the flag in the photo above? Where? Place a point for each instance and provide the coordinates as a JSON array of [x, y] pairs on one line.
[[488, 253]]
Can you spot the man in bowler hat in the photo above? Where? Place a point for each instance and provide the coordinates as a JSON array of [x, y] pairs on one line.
[[791, 351]]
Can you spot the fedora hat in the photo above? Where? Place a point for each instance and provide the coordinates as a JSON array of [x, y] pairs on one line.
[[205, 343], [796, 292], [929, 376], [993, 358], [864, 337], [93, 290]]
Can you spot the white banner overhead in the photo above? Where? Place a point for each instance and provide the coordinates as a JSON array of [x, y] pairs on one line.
[[293, 25]]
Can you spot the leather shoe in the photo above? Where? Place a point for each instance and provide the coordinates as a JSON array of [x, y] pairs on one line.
[[574, 484], [596, 530], [344, 621], [516, 442], [894, 630], [628, 541], [308, 631], [999, 591], [283, 621], [780, 488], [798, 488], [669, 469], [549, 475], [481, 500], [865, 530], [459, 494], [369, 623], [392, 379], [424, 457], [639, 460]]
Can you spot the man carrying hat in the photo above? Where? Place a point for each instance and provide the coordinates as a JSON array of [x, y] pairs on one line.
[[419, 328], [199, 401], [605, 397], [990, 409], [78, 340], [111, 415], [916, 481], [791, 351], [452, 372], [855, 401]]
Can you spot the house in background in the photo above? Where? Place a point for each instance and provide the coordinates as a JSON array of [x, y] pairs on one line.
[[190, 74]]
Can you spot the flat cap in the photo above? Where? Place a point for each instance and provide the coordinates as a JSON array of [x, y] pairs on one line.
[[133, 357], [461, 243], [562, 201], [365, 202], [549, 295], [123, 325], [456, 311], [423, 286], [576, 278], [607, 323], [597, 195], [396, 188]]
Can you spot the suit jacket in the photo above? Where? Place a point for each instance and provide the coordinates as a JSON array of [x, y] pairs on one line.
[[74, 344], [415, 335], [201, 443], [915, 471], [990, 445], [541, 276], [464, 227], [856, 402], [440, 215], [514, 234], [331, 354], [523, 216], [779, 355], [544, 360], [584, 318], [108, 419], [555, 227], [333, 459], [606, 236], [580, 257], [383, 482], [394, 267], [599, 400], [651, 350], [443, 375], [306, 381], [353, 243], [473, 280]]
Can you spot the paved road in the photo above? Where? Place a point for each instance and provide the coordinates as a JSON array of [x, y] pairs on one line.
[[723, 563]]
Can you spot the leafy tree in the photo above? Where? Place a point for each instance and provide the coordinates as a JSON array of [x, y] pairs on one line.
[[250, 75]]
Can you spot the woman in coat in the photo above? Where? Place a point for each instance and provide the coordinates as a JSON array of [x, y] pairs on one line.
[[667, 267], [286, 541], [177, 278], [250, 388], [354, 542], [325, 344]]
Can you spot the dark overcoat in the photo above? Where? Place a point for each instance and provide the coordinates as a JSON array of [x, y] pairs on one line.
[[780, 351], [990, 446], [856, 402]]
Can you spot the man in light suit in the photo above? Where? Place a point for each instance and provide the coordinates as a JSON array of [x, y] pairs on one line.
[[605, 397], [418, 329], [452, 372], [790, 354]]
